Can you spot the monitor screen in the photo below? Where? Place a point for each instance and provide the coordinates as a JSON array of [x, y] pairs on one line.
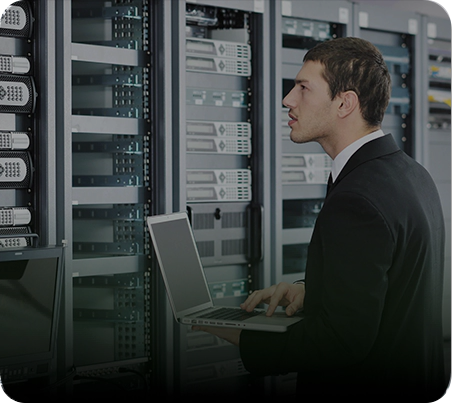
[[29, 300]]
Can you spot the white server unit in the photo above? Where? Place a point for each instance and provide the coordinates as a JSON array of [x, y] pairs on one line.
[[21, 167]]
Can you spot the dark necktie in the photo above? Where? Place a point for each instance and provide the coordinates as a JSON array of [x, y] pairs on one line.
[[329, 184]]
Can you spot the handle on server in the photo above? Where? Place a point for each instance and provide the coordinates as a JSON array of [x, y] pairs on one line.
[[254, 227]]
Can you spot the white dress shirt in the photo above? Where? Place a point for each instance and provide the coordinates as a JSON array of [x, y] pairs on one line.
[[342, 158]]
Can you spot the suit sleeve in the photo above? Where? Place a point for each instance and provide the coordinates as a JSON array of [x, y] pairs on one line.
[[346, 282]]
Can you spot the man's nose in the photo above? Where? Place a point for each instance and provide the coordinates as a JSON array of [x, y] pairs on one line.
[[289, 100]]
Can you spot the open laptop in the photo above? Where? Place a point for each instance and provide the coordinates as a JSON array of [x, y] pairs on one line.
[[186, 284]]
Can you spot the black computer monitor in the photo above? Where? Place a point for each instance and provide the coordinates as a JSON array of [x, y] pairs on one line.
[[30, 292]]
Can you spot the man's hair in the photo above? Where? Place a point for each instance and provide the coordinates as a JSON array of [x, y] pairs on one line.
[[357, 65]]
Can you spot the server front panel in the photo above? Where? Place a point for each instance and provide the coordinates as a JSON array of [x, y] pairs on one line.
[[21, 166]]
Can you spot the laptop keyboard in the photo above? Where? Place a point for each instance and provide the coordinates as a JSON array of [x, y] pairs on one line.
[[229, 314]]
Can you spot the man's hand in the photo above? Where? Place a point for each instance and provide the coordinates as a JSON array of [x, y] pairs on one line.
[[228, 334], [289, 295]]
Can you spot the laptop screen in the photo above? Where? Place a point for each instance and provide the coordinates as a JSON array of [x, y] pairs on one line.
[[175, 245], [27, 297]]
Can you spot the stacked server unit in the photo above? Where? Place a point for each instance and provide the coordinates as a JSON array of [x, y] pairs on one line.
[[217, 147], [21, 176], [27, 202], [19, 155], [111, 193]]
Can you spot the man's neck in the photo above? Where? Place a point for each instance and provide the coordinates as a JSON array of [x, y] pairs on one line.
[[337, 142]]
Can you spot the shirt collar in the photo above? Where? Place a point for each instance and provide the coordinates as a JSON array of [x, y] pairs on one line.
[[343, 157]]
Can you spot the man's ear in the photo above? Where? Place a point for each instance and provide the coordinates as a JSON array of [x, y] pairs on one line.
[[348, 103]]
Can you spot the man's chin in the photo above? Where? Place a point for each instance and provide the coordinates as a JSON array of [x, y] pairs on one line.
[[298, 138]]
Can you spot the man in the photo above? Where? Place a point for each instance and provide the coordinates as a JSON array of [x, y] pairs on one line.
[[373, 290]]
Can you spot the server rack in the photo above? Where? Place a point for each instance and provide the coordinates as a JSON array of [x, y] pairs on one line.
[[219, 101], [109, 99], [111, 191], [436, 141], [27, 152]]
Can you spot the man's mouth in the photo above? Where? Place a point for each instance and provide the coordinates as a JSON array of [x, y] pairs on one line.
[[293, 119]]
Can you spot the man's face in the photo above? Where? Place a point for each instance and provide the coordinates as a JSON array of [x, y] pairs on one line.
[[311, 109]]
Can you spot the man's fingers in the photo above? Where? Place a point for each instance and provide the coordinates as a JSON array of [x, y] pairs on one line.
[[294, 307], [277, 297], [297, 304], [283, 294], [274, 296], [255, 299], [271, 309]]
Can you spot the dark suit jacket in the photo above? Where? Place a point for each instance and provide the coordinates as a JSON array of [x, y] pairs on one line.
[[374, 281]]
